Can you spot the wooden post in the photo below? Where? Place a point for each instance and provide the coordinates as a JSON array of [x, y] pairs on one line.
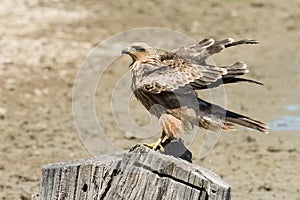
[[140, 173]]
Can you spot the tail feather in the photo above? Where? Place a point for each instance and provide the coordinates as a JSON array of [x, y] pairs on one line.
[[214, 117], [246, 121]]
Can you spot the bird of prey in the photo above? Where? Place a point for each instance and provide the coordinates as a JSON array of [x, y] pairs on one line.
[[166, 85]]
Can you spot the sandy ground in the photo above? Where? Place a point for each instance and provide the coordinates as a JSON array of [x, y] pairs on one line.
[[43, 44]]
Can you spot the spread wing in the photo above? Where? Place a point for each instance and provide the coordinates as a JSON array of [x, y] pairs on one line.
[[179, 75], [198, 53], [185, 69]]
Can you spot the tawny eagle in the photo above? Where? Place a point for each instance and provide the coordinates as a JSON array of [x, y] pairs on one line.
[[165, 84]]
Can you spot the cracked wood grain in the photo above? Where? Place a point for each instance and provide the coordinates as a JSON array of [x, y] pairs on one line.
[[140, 173]]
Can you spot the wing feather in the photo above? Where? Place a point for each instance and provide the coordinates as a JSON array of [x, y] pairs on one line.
[[177, 74], [198, 53], [187, 66]]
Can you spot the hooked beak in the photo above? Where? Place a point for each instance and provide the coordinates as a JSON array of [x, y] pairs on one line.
[[127, 50]]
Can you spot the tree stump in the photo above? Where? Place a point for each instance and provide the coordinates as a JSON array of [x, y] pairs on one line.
[[140, 173]]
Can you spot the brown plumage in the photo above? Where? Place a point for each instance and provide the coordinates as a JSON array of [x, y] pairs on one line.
[[165, 84]]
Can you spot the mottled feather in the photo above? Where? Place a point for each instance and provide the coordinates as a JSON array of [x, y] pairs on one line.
[[170, 80]]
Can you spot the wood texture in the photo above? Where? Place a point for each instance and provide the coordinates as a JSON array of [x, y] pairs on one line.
[[140, 173]]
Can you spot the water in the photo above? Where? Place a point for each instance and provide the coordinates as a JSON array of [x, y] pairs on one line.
[[287, 122], [292, 107]]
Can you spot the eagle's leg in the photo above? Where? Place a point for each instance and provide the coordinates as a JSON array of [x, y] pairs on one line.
[[155, 145], [171, 127], [158, 144]]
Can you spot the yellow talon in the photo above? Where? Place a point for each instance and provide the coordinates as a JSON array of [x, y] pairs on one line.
[[155, 145]]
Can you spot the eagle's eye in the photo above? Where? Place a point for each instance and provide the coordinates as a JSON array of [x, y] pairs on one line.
[[139, 49]]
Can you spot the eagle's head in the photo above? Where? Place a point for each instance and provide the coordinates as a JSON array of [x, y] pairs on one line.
[[139, 51]]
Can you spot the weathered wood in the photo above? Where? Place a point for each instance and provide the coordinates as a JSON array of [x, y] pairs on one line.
[[138, 174]]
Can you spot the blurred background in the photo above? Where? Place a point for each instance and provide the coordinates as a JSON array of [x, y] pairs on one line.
[[43, 44]]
